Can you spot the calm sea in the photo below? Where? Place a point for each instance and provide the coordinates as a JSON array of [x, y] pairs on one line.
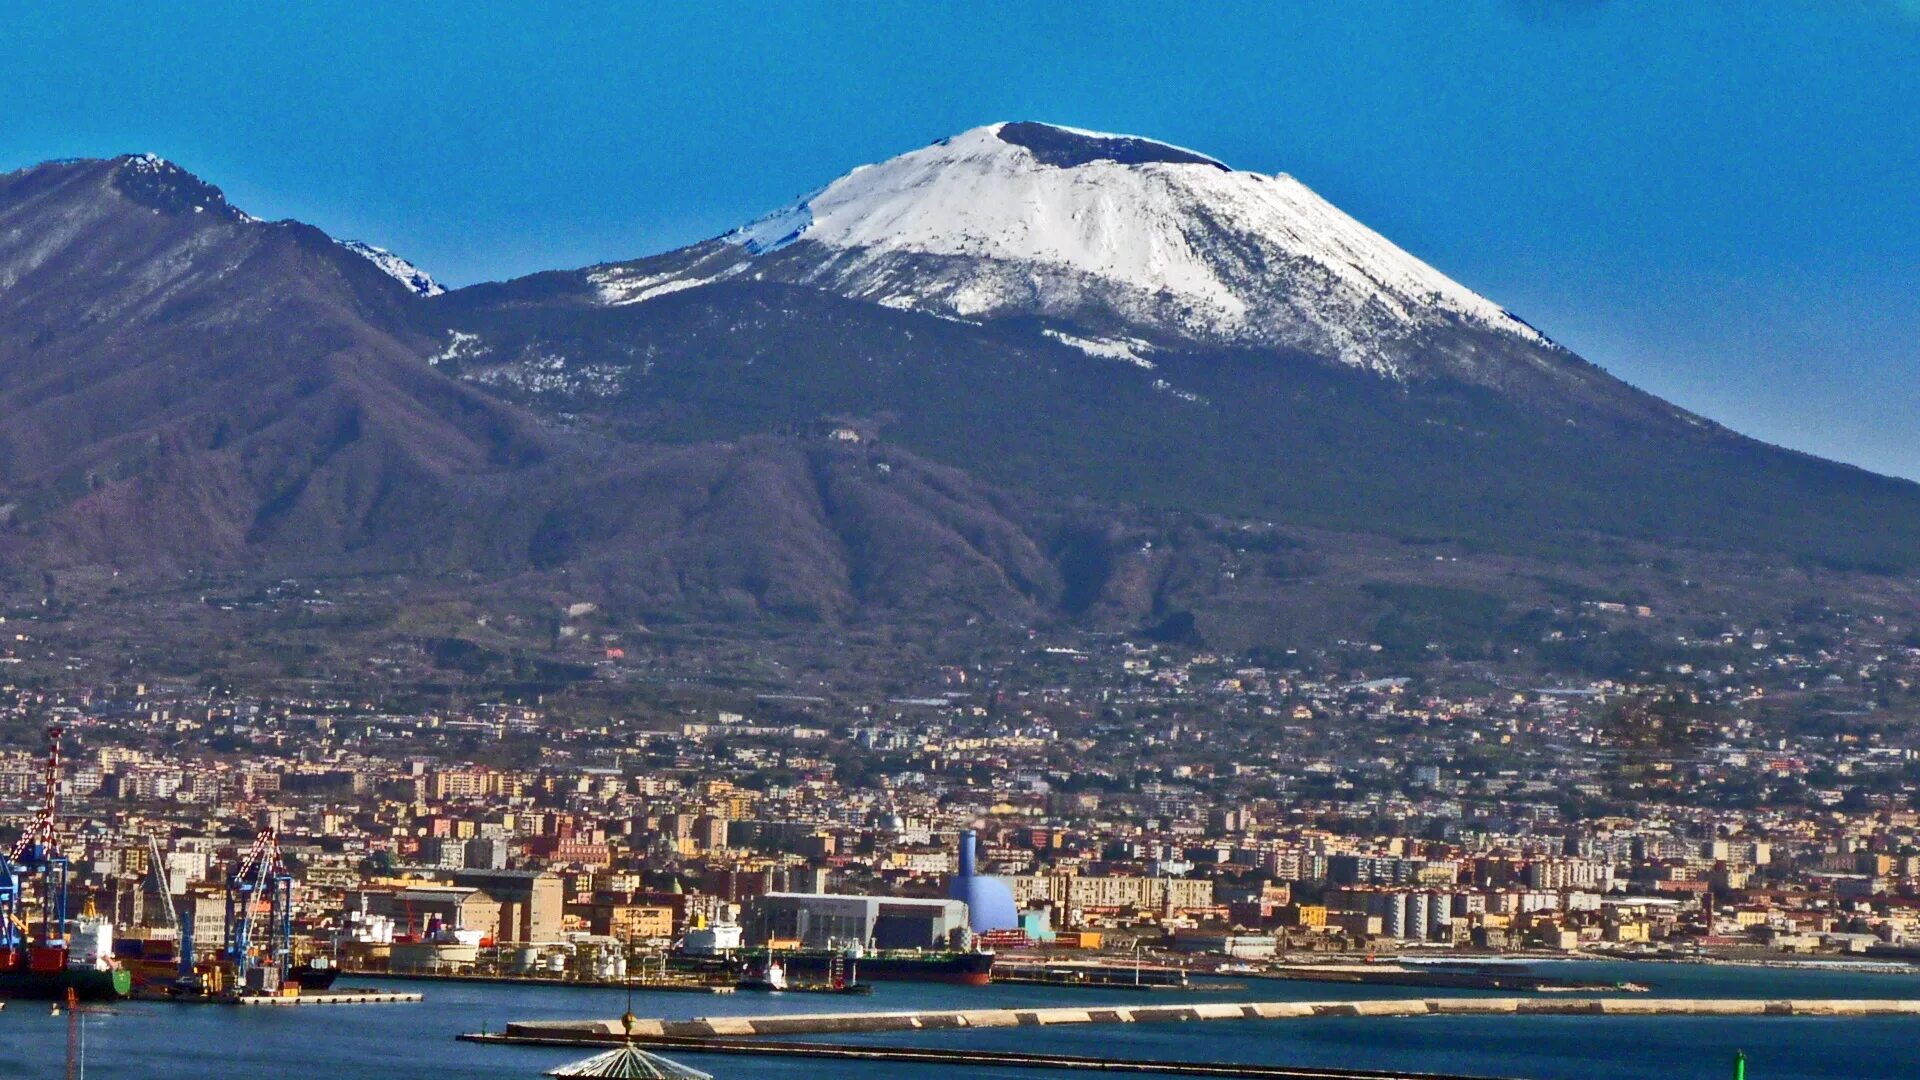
[[405, 1042]]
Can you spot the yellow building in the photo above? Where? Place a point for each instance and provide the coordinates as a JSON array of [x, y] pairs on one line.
[[1309, 916]]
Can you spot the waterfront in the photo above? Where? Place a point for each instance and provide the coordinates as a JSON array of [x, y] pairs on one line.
[[403, 1042]]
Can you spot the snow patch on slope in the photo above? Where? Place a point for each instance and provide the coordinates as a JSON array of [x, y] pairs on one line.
[[460, 346], [395, 267], [778, 229], [1128, 350], [619, 285]]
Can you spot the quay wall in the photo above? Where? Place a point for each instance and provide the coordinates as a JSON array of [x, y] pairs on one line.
[[862, 1022]]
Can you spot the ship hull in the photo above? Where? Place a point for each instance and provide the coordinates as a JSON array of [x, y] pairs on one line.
[[87, 984], [313, 979], [965, 969]]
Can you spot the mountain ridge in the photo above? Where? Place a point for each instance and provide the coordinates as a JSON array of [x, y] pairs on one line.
[[183, 386]]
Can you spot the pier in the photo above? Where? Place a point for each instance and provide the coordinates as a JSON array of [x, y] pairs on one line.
[[649, 986], [328, 997], [751, 1027]]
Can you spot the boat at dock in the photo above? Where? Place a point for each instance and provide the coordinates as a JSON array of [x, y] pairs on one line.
[[769, 977], [52, 983], [441, 948], [82, 962], [890, 965], [710, 950], [314, 974]]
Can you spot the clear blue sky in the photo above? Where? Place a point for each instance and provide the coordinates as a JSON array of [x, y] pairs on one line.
[[1718, 202]]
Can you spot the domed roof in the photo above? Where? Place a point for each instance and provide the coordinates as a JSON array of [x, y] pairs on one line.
[[989, 901]]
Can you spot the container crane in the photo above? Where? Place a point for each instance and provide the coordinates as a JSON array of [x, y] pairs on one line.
[[36, 855], [259, 881], [37, 945]]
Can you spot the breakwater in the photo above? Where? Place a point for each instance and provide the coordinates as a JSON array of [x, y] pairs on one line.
[[736, 1027]]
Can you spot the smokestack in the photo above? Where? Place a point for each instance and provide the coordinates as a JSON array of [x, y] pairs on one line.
[[967, 842]]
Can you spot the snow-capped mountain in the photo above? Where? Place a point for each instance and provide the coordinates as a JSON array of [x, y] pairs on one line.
[[394, 266], [1026, 374], [1118, 242]]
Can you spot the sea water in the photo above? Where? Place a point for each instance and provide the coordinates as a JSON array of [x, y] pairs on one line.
[[412, 1041]]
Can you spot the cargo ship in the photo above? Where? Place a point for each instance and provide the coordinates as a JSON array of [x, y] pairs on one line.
[[714, 949], [83, 963], [891, 965], [313, 974], [53, 977]]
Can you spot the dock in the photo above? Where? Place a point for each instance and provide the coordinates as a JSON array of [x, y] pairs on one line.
[[1436, 978], [1070, 983], [329, 997], [653, 986], [752, 1027]]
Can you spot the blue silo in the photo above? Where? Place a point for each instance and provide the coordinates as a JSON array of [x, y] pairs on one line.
[[989, 902]]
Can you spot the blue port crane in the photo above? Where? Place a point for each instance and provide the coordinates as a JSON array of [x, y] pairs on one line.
[[13, 926], [35, 859], [259, 884]]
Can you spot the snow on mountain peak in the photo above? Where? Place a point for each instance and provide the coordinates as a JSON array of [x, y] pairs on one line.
[[395, 267], [161, 186], [1036, 219]]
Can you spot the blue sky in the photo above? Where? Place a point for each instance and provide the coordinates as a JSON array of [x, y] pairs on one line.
[[1718, 202]]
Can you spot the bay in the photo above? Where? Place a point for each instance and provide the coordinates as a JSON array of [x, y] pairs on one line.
[[409, 1041]]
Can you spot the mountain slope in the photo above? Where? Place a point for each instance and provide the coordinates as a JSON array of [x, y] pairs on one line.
[[1268, 436], [805, 528], [415, 279], [184, 387], [180, 382], [1081, 315]]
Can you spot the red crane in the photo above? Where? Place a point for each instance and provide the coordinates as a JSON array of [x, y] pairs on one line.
[[39, 838], [37, 853]]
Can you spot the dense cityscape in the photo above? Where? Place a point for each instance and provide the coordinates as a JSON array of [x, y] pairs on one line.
[[1203, 810]]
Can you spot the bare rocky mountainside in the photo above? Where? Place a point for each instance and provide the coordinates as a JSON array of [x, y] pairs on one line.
[[1024, 376], [184, 387]]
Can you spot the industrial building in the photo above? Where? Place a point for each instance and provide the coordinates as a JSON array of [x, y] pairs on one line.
[[532, 902], [880, 922], [415, 908]]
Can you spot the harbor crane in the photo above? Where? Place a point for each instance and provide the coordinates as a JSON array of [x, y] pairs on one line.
[[183, 933], [36, 855], [259, 884]]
